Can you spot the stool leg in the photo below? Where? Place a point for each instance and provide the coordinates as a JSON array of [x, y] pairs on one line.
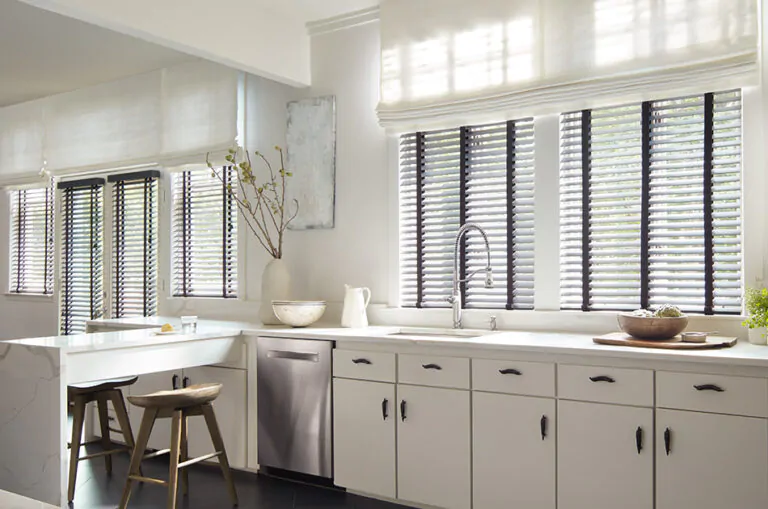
[[184, 453], [147, 422], [173, 473], [218, 444], [77, 435], [106, 442], [116, 396]]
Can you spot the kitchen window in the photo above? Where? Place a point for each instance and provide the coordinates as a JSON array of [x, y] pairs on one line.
[[482, 174], [82, 253], [650, 205], [31, 260], [134, 241], [204, 234]]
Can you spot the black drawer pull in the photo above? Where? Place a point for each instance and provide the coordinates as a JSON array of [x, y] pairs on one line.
[[543, 426], [384, 407], [185, 382], [362, 361], [667, 441], [709, 387], [175, 382], [431, 366], [510, 371], [602, 378], [402, 410], [639, 439]]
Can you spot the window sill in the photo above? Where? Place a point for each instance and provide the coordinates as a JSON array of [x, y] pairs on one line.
[[33, 296]]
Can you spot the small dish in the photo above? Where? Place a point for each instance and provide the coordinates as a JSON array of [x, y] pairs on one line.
[[694, 337], [169, 333]]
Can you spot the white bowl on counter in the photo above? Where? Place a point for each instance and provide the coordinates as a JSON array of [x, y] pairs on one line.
[[298, 313]]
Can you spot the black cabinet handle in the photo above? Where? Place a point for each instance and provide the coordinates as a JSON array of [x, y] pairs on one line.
[[431, 366], [509, 371], [639, 439], [543, 425], [709, 387], [362, 361], [175, 382], [602, 378], [185, 382], [384, 407], [402, 410], [667, 441]]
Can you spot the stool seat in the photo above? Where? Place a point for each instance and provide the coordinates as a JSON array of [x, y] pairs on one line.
[[194, 395], [101, 385]]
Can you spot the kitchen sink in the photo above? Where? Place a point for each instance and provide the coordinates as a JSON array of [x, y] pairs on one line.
[[441, 333]]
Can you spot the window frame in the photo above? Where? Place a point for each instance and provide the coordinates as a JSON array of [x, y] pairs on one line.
[[646, 134], [237, 241], [14, 243]]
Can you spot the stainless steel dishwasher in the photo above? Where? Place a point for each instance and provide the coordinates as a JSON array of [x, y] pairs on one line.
[[293, 379]]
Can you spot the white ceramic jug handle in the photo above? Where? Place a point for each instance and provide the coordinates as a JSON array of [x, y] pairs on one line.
[[368, 299]]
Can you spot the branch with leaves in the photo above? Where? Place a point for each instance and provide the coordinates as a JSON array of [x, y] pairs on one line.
[[260, 202]]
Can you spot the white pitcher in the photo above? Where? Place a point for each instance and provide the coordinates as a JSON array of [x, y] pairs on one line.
[[355, 304]]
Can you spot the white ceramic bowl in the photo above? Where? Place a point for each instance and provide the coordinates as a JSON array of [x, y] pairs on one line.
[[298, 313]]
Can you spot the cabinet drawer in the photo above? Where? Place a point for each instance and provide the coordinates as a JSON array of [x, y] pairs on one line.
[[712, 393], [433, 370], [513, 377], [605, 385], [375, 366]]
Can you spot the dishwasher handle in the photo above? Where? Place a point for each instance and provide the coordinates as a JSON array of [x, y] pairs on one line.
[[294, 356]]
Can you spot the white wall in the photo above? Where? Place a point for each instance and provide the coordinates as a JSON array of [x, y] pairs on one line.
[[346, 64]]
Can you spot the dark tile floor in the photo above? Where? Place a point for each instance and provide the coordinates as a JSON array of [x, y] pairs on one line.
[[95, 490]]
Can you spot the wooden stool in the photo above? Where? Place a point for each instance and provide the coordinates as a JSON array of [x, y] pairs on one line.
[[100, 392], [178, 405]]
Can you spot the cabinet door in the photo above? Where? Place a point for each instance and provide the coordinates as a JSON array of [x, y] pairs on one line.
[[364, 436], [231, 409], [714, 461], [599, 465], [147, 384], [513, 443], [433, 446]]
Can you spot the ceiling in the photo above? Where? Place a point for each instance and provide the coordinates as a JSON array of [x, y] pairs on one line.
[[43, 53], [313, 10]]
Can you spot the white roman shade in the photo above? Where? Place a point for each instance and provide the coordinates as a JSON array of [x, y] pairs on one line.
[[172, 115], [199, 109], [115, 123], [445, 62]]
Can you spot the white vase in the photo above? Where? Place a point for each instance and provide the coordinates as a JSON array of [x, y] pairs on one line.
[[275, 285], [757, 336]]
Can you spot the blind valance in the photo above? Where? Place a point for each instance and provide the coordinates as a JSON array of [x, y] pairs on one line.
[[181, 111], [447, 61]]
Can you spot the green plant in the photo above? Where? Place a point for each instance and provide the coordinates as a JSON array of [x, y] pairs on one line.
[[756, 301], [260, 202]]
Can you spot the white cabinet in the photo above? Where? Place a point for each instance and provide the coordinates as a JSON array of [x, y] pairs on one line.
[[364, 436], [231, 413], [605, 456], [709, 461], [433, 446], [513, 451]]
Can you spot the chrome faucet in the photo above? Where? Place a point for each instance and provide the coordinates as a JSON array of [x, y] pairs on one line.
[[455, 298]]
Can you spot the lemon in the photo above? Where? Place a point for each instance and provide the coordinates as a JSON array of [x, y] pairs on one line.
[[167, 328]]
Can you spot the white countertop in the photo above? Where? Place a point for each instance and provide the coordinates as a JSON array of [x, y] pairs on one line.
[[743, 354]]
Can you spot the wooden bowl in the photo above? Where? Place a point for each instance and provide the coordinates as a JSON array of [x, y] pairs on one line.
[[653, 328]]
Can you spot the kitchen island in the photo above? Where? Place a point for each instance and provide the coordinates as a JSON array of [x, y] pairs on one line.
[[35, 372]]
